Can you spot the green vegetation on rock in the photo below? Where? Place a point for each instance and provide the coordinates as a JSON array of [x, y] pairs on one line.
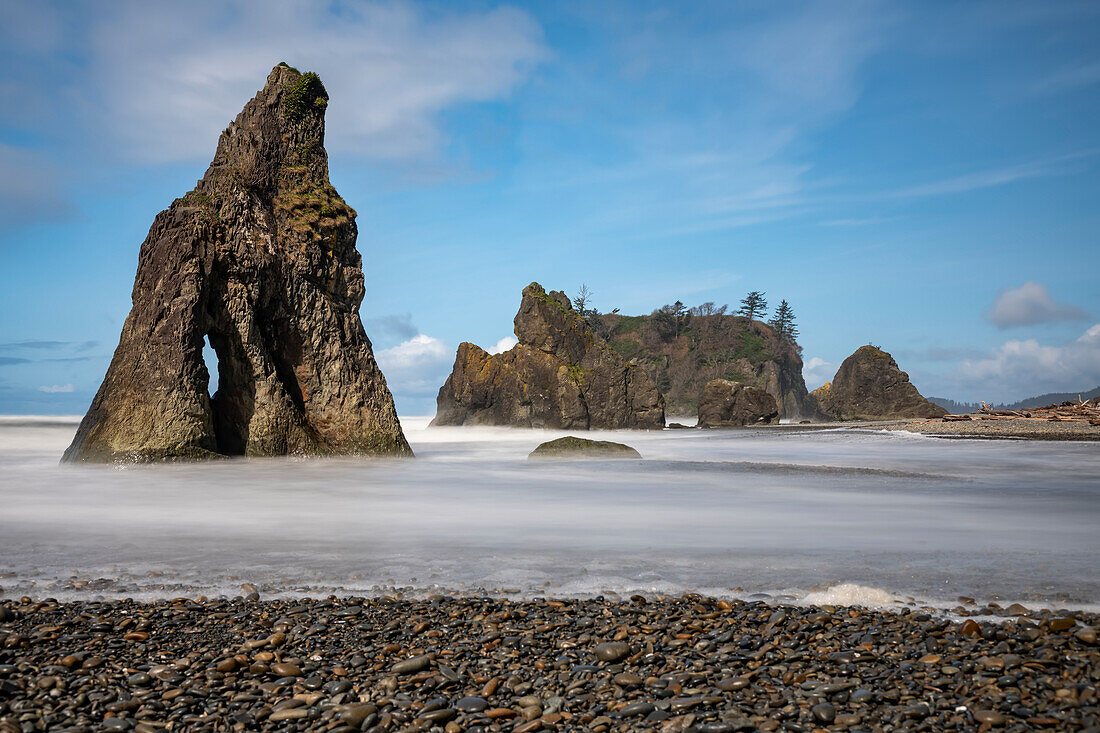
[[303, 95]]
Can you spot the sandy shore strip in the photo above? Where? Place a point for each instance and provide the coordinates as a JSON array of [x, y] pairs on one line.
[[481, 664], [1016, 429], [1007, 429]]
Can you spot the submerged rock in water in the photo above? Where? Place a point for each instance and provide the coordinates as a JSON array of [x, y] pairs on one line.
[[728, 404], [561, 374], [869, 385], [260, 258], [572, 447]]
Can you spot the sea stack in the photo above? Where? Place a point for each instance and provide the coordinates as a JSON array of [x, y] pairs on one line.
[[560, 375], [260, 258], [870, 386]]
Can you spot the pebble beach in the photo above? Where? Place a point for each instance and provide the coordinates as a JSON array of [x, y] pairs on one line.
[[451, 664]]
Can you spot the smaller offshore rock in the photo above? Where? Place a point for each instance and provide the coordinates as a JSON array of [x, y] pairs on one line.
[[733, 404], [573, 447], [871, 386]]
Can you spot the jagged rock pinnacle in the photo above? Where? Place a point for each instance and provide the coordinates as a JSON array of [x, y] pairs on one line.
[[260, 258]]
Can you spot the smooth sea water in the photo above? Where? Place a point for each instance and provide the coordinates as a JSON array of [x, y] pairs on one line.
[[827, 516]]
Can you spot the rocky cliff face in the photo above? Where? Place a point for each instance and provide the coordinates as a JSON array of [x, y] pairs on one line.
[[732, 404], [260, 258], [869, 385], [560, 375], [682, 355]]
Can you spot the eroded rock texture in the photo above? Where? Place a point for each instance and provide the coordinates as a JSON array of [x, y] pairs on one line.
[[260, 258], [560, 375], [726, 404], [869, 385], [683, 353]]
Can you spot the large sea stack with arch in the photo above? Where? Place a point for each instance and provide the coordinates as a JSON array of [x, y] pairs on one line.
[[260, 259]]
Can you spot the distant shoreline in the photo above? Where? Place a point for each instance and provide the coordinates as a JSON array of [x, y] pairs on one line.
[[972, 429]]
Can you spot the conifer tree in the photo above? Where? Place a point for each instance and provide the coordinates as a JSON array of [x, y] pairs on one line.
[[783, 322], [753, 305]]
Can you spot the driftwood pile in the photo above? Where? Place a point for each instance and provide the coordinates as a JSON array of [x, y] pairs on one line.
[[1068, 411]]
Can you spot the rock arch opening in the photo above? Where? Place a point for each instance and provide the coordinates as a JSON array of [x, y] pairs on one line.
[[211, 358]]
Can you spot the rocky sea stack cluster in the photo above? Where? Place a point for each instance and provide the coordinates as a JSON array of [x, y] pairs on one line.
[[454, 665], [560, 375], [682, 353], [260, 259], [870, 386]]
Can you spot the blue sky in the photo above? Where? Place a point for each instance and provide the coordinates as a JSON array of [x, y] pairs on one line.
[[923, 176]]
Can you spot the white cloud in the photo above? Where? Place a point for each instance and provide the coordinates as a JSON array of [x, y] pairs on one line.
[[816, 371], [1029, 305], [503, 345], [56, 388], [1027, 368], [417, 367], [161, 80]]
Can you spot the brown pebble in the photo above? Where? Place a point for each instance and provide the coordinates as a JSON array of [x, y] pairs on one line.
[[286, 670], [1062, 624], [970, 627]]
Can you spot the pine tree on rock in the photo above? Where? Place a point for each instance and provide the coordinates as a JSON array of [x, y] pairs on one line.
[[753, 305], [783, 322]]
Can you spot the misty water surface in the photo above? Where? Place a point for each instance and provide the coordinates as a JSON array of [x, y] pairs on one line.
[[722, 512]]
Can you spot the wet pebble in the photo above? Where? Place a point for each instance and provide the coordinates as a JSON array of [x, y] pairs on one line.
[[469, 664]]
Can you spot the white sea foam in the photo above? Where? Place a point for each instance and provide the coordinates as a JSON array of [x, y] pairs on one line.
[[852, 594], [786, 513]]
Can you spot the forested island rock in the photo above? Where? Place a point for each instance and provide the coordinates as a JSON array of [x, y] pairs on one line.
[[260, 258], [561, 374], [732, 404], [869, 385], [682, 352]]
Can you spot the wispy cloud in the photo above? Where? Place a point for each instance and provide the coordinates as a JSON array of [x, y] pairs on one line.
[[161, 80], [989, 178], [851, 222], [57, 388], [1069, 78], [35, 344]]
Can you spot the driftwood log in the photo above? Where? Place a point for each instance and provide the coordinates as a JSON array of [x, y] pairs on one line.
[[1068, 411]]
